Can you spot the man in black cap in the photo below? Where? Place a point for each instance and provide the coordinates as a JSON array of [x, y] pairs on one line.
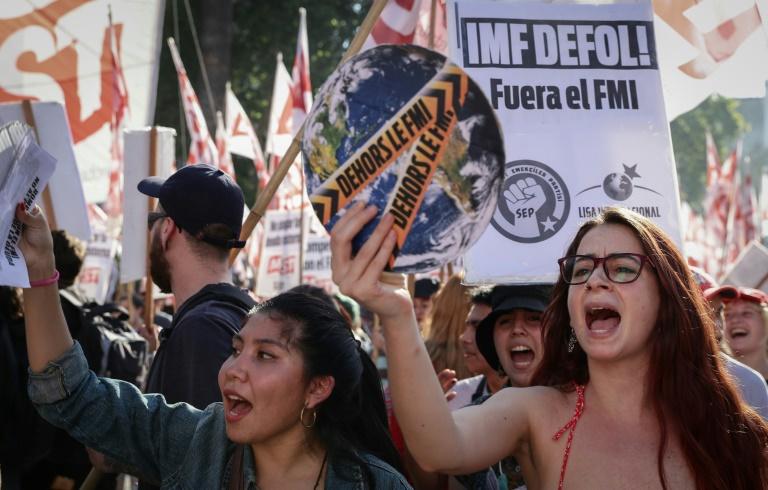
[[195, 224]]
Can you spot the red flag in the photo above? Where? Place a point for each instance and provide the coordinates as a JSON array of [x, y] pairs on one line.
[[279, 136], [114, 204], [411, 22], [713, 161], [717, 206], [741, 221], [301, 87], [202, 149], [222, 147], [242, 137]]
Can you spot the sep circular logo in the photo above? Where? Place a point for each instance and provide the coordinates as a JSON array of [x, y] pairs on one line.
[[534, 202]]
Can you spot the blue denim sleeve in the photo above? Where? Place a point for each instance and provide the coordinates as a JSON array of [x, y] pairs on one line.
[[114, 417]]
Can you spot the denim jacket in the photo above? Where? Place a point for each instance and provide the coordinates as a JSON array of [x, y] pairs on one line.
[[177, 445]]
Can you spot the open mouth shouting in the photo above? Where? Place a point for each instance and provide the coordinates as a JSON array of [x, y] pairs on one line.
[[738, 333], [235, 406], [602, 320], [522, 356]]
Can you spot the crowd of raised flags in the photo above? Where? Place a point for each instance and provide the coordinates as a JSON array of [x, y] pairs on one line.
[[732, 215]]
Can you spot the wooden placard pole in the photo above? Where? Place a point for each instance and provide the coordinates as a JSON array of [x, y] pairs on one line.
[[432, 15], [265, 196], [29, 117], [149, 306]]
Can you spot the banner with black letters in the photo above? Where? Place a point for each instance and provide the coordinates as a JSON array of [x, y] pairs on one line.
[[579, 97]]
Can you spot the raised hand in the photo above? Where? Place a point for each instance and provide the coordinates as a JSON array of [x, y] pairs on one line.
[[36, 243], [359, 276]]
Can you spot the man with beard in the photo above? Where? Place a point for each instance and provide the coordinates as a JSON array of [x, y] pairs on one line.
[[195, 224]]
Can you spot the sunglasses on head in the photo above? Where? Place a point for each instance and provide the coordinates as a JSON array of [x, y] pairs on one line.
[[621, 268]]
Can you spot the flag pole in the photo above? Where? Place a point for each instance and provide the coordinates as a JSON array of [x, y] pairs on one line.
[[149, 302], [266, 194]]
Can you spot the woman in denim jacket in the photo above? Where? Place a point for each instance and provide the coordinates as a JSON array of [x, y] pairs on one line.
[[303, 406]]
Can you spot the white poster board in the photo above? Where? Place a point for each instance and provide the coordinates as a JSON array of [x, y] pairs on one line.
[[65, 186], [278, 268], [133, 264], [94, 277], [577, 91], [60, 51]]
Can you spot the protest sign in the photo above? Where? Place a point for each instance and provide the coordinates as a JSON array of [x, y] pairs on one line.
[[65, 187], [577, 90], [750, 269], [24, 171], [133, 264], [94, 277], [403, 128], [279, 263], [62, 51]]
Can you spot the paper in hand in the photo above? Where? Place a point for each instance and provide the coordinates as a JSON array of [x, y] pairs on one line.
[[24, 172]]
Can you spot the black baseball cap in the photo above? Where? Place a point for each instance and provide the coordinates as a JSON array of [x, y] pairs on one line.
[[199, 195], [425, 287], [533, 297]]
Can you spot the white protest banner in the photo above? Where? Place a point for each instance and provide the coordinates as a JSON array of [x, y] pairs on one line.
[[24, 171], [282, 255], [317, 256], [279, 264], [577, 91], [68, 200], [133, 264], [59, 50], [95, 275]]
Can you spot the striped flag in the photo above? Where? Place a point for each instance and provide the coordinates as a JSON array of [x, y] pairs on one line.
[[242, 137], [114, 204], [279, 136], [202, 148], [301, 86], [713, 161], [741, 221], [410, 22], [717, 209], [222, 147]]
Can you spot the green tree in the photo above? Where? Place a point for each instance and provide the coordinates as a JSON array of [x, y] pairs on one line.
[[259, 30], [718, 115]]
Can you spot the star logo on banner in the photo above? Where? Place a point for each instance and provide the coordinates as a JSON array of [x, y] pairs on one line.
[[631, 172], [549, 225]]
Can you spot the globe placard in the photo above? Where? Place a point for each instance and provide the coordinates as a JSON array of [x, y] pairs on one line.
[[405, 129]]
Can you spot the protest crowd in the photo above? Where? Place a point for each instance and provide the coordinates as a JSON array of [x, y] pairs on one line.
[[336, 341]]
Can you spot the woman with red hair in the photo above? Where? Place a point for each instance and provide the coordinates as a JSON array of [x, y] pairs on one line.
[[632, 392]]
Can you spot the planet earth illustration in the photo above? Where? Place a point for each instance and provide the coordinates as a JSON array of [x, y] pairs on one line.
[[618, 186], [360, 98]]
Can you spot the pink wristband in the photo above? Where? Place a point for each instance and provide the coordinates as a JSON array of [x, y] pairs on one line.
[[45, 282]]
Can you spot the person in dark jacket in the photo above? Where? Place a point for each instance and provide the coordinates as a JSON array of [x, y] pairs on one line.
[[196, 223]]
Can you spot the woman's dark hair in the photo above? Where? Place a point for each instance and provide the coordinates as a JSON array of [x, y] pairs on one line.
[[354, 417], [723, 440]]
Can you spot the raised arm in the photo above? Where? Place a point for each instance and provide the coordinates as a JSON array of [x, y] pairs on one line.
[[47, 333], [475, 437]]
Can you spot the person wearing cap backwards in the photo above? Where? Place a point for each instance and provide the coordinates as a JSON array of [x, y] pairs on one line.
[[196, 223], [746, 324]]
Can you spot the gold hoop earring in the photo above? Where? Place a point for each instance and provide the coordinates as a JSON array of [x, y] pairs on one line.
[[301, 418]]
